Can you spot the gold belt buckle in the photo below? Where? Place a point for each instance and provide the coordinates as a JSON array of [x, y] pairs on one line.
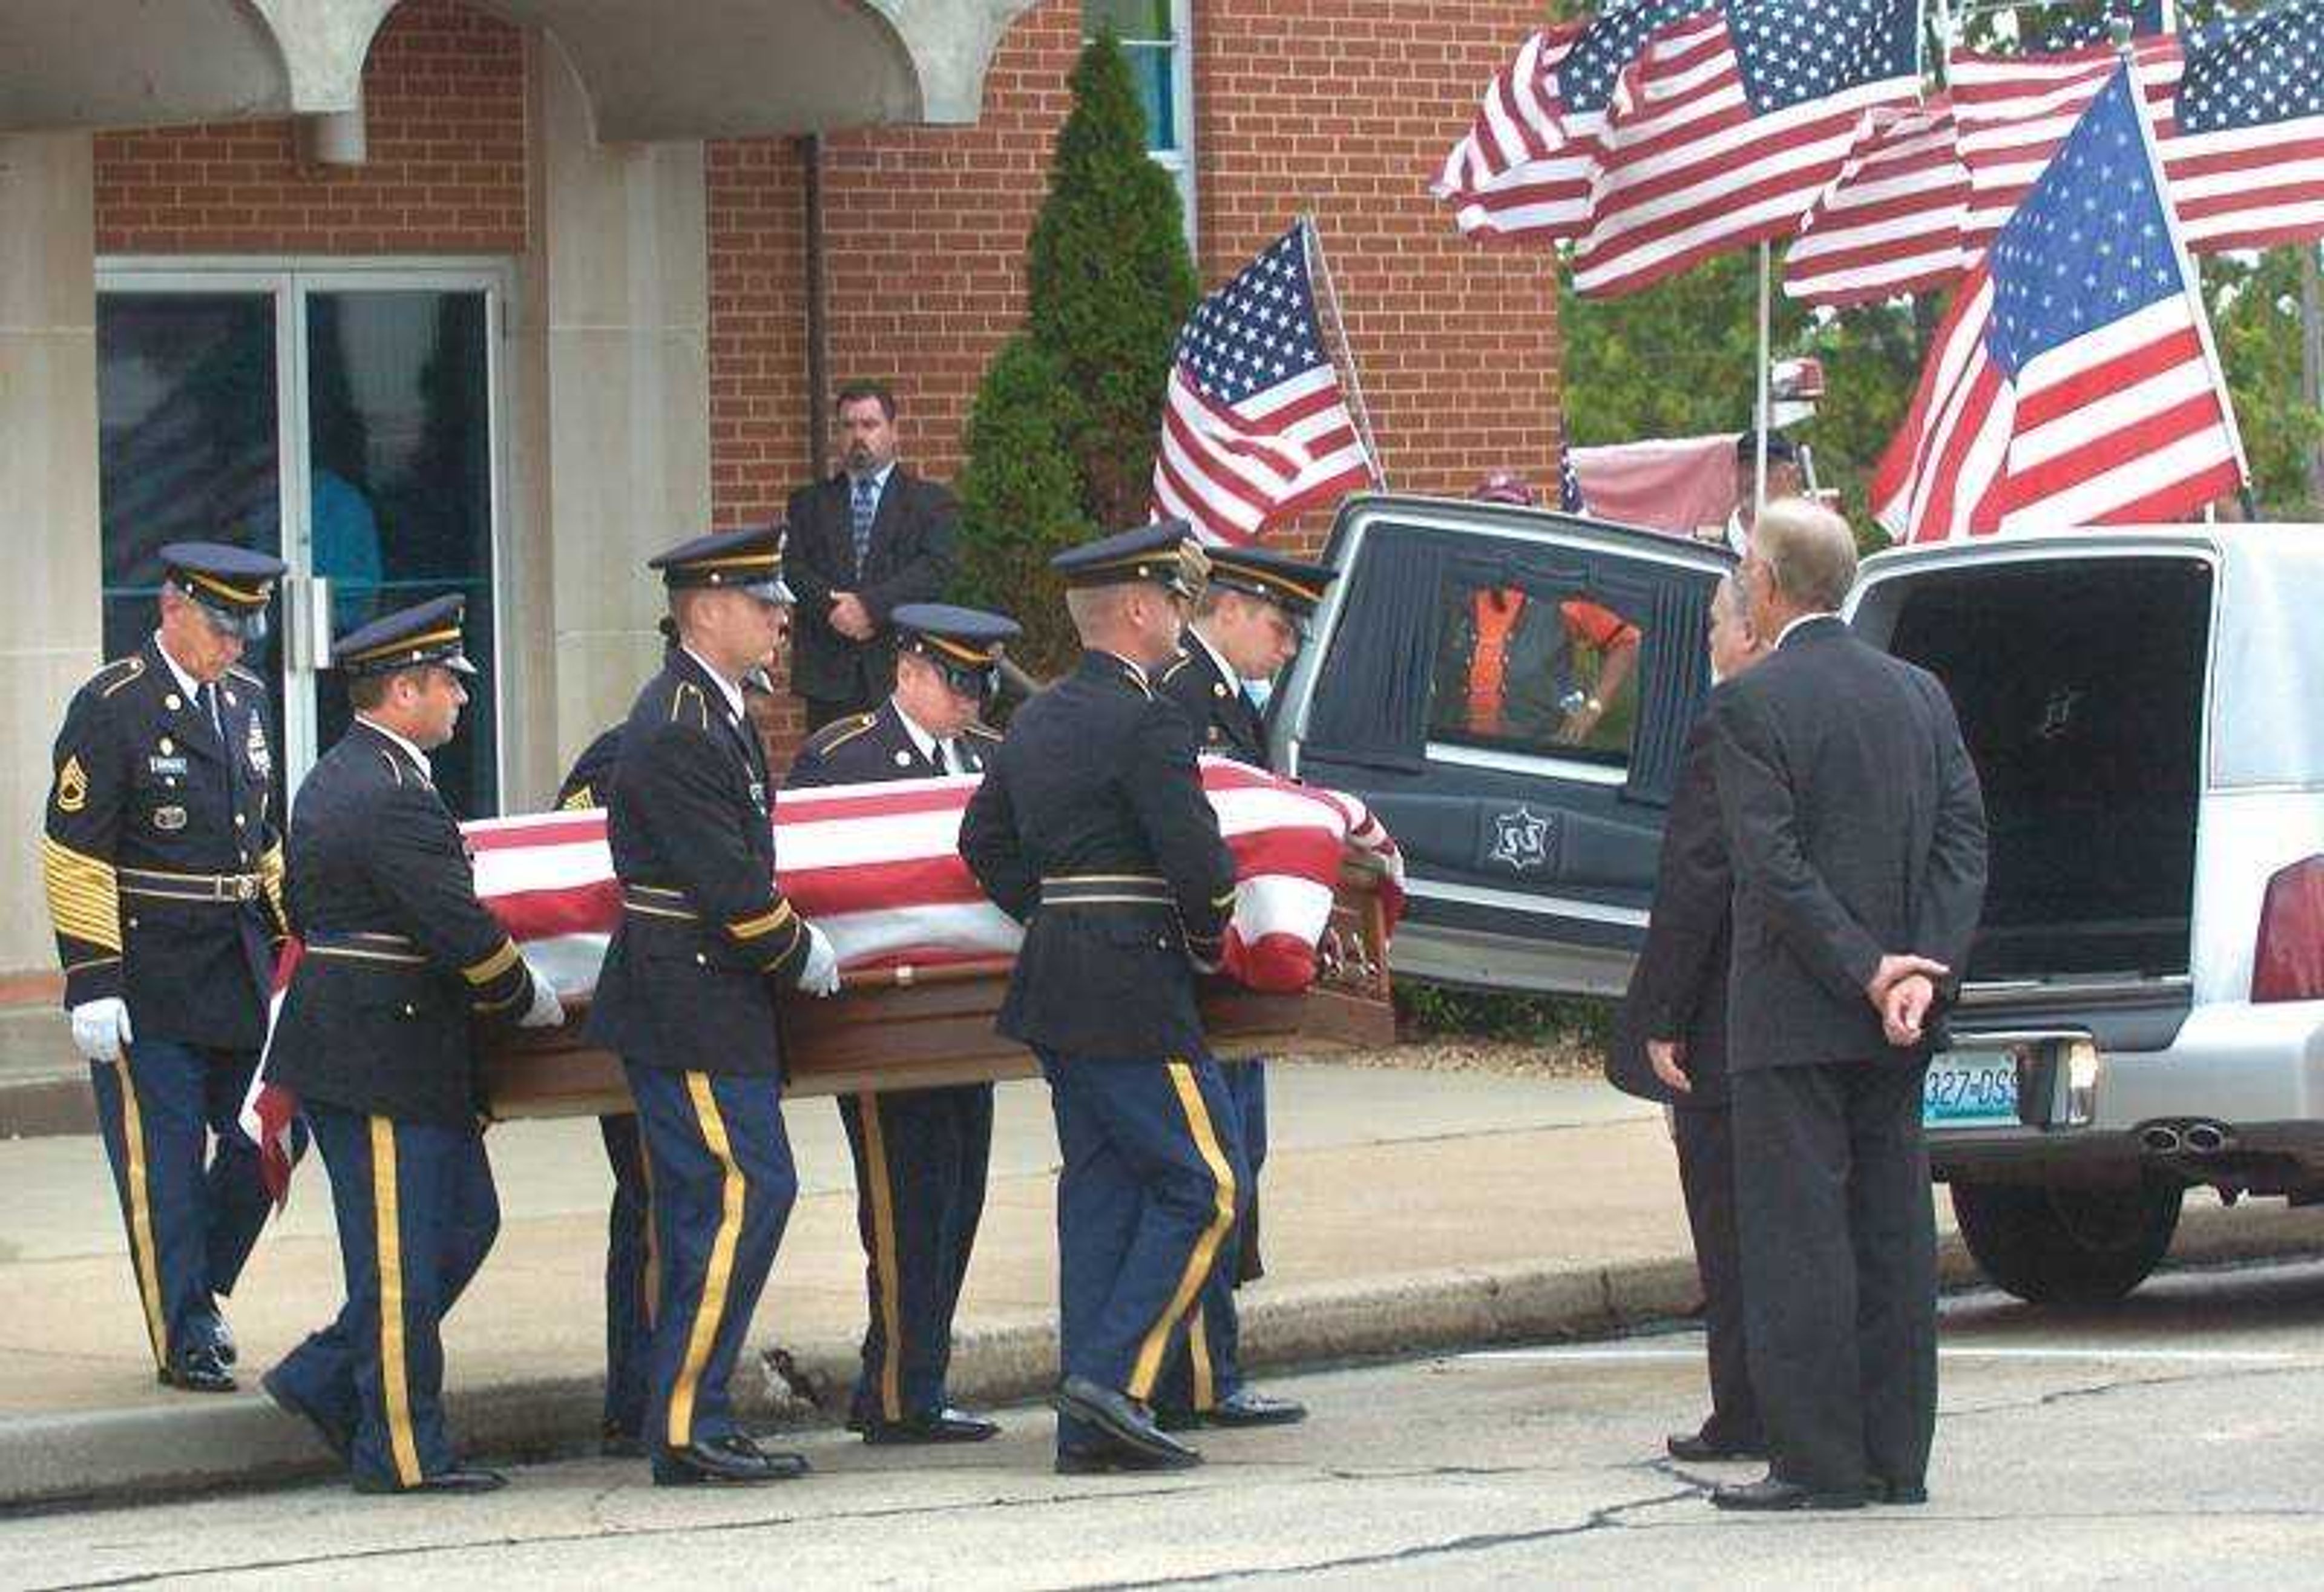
[[245, 888]]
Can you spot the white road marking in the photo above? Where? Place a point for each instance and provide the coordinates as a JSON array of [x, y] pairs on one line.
[[1646, 1353]]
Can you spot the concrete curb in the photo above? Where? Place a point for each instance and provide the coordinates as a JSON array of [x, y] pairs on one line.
[[211, 1444]]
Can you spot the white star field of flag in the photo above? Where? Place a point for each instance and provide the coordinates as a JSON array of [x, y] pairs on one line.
[[1257, 330]]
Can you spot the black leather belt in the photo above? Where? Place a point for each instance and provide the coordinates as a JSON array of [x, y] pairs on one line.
[[1105, 890], [655, 902], [162, 884], [356, 946]]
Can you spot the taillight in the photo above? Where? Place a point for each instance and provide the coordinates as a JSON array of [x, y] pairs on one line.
[[2288, 964]]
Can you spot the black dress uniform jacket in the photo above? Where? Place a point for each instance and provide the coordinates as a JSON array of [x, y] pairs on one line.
[[164, 867], [1857, 828], [705, 938], [590, 781], [401, 957], [909, 561], [1097, 777], [1216, 705], [864, 747], [1678, 989]]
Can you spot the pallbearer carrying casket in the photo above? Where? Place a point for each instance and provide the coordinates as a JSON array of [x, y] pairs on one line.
[[704, 947], [374, 1038], [920, 1154], [1092, 828]]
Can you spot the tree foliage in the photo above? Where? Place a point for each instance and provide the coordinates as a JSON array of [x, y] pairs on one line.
[[1061, 436]]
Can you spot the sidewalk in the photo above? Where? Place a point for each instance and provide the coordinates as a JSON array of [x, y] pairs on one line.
[[1405, 1210]]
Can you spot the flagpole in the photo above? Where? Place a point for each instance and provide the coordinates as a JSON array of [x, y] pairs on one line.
[[1344, 353], [2192, 283], [1765, 405]]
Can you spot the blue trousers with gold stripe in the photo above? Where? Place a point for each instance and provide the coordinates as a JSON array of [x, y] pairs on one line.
[[417, 1215], [1211, 1367], [920, 1161], [722, 1190], [631, 1275], [165, 1110], [1153, 1177]]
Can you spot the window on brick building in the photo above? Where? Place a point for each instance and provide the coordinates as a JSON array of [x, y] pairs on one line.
[[1158, 37]]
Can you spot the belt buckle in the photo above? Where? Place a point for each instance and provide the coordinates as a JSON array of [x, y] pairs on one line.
[[245, 888]]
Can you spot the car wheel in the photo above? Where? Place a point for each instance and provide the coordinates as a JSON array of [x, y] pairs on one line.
[[2067, 1246]]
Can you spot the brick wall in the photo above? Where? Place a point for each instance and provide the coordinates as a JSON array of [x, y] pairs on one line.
[[444, 102]]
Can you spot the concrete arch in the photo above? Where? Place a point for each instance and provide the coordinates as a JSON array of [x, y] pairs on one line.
[[139, 63]]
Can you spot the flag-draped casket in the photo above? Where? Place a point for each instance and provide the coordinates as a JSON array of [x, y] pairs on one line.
[[926, 956]]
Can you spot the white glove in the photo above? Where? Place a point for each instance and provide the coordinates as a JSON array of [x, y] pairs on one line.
[[546, 1010], [100, 1028], [820, 976]]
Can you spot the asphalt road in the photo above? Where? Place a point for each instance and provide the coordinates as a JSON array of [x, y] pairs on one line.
[[2175, 1440]]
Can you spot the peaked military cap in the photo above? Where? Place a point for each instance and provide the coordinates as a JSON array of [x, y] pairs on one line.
[[1293, 584], [233, 584], [966, 643], [426, 633], [1165, 552], [749, 559]]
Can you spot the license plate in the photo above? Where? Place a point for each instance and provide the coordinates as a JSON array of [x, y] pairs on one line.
[[1966, 1089]]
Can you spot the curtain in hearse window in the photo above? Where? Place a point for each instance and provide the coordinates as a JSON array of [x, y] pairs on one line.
[[1502, 645]]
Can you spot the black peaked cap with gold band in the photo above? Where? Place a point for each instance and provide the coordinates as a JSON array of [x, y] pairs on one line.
[[232, 585], [410, 638], [749, 561], [1165, 553], [965, 644], [1293, 585]]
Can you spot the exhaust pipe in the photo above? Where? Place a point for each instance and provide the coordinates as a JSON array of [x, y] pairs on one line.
[[2160, 1138], [2208, 1138]]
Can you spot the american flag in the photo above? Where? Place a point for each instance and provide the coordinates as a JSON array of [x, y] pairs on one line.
[[2239, 118], [2072, 384], [1890, 223], [878, 869], [1254, 424], [1730, 124], [1522, 172], [2076, 29]]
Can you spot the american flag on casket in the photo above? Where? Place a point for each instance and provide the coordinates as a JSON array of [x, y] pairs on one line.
[[878, 869]]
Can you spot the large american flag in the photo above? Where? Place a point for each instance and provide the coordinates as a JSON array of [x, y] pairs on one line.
[[878, 869], [2239, 118], [1254, 423], [1523, 170], [2072, 385], [1890, 223], [1730, 124]]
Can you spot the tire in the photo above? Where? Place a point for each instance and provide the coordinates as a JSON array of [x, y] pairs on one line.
[[2066, 1246]]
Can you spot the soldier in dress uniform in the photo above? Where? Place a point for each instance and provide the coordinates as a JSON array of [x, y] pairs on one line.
[[687, 997], [401, 962], [1093, 830], [920, 1154], [1247, 626], [164, 876]]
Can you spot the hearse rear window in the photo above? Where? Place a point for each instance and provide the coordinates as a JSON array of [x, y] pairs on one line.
[[1521, 670]]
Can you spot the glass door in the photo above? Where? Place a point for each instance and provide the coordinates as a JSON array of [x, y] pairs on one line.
[[345, 421]]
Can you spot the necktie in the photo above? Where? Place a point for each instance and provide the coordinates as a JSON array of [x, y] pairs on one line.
[[946, 761], [210, 707], [866, 507]]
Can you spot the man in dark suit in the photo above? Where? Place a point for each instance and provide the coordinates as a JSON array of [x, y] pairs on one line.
[[1246, 627], [705, 946], [1857, 832], [375, 1037], [920, 1154], [1670, 1045], [871, 537], [1091, 829]]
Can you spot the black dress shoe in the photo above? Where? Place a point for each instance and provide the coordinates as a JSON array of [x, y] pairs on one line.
[[196, 1369], [1106, 1459], [1120, 1418], [221, 1338], [1244, 1407], [460, 1478], [1771, 1493], [732, 1459], [336, 1435], [947, 1425], [1698, 1450], [1882, 1489]]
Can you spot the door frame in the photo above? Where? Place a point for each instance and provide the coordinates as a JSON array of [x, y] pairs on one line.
[[288, 279]]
